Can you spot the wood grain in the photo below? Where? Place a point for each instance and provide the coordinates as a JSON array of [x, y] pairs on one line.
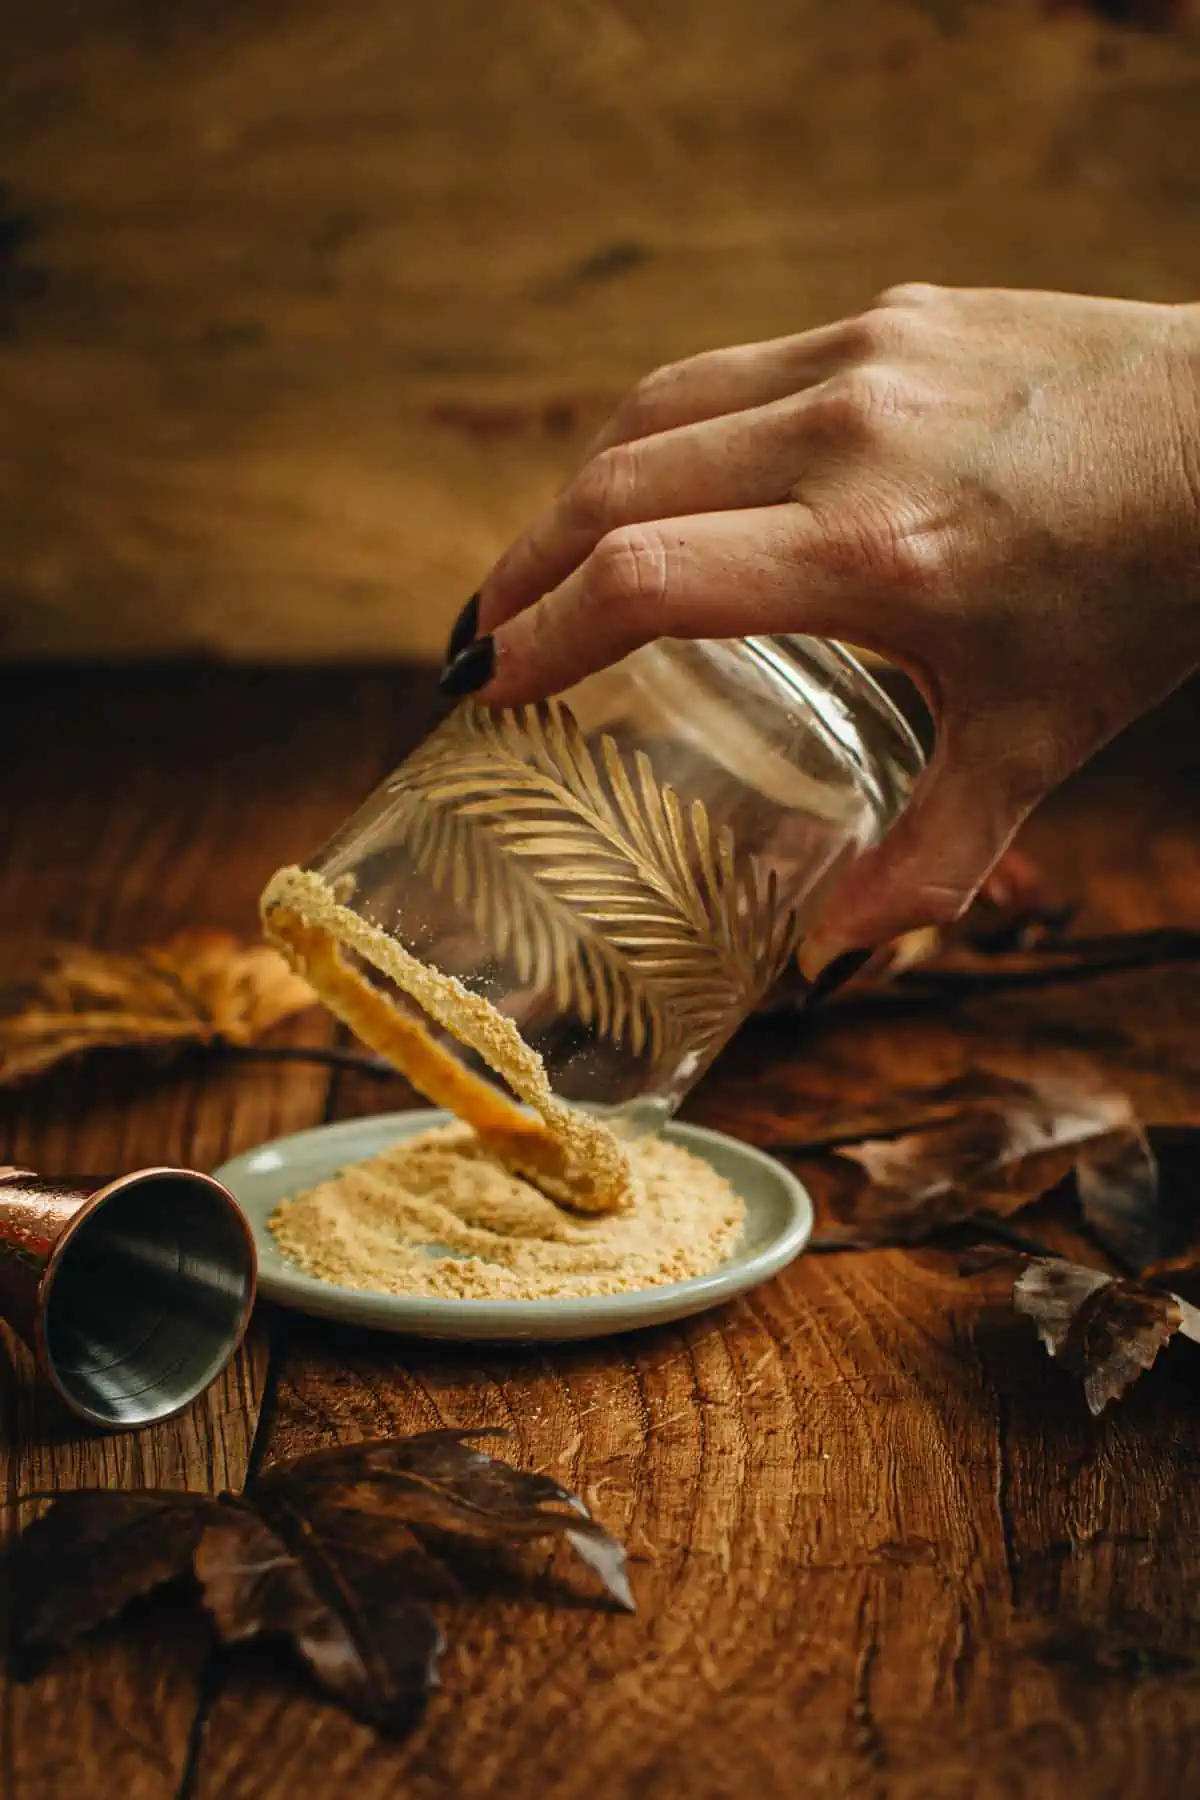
[[878, 1545], [305, 309], [136, 808]]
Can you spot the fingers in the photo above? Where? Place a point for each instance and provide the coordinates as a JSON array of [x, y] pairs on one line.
[[724, 574], [747, 459], [693, 392], [961, 819], [729, 380]]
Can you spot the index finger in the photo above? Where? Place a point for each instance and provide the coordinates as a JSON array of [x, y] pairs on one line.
[[714, 575]]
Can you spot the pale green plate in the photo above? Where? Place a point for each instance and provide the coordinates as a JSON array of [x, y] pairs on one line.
[[779, 1220]]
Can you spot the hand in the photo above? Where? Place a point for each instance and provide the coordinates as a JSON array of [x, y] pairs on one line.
[[997, 491]]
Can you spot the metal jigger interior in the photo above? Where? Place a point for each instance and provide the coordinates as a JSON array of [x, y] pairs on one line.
[[147, 1297]]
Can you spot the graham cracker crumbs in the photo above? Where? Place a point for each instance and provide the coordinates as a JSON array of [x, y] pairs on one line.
[[439, 1216]]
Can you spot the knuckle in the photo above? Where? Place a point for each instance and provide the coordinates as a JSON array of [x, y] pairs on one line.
[[628, 573], [851, 405], [882, 547], [878, 333], [908, 294], [660, 382], [601, 491], [650, 401], [918, 558]]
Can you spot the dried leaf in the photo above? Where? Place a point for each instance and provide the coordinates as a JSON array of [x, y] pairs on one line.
[[200, 988], [339, 1553], [239, 990], [437, 1480], [353, 1620], [83, 1562], [1107, 1331], [1151, 1227], [890, 1112], [991, 1146], [1117, 1178]]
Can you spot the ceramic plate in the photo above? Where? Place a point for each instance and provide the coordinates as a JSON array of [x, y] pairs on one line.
[[778, 1222]]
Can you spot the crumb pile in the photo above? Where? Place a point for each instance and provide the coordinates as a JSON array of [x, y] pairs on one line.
[[439, 1215]]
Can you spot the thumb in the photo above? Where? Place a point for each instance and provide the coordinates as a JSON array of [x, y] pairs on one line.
[[928, 868]]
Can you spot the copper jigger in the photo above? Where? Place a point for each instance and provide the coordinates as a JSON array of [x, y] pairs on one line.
[[133, 1294]]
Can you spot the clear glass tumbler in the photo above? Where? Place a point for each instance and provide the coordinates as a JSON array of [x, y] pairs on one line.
[[623, 872]]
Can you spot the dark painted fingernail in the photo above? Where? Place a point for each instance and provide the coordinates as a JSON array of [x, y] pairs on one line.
[[465, 627], [837, 973], [470, 668]]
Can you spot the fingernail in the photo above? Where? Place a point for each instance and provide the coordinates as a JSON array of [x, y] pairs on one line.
[[470, 668], [465, 627], [837, 973]]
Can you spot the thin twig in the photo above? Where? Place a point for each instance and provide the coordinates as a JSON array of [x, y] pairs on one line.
[[1081, 960], [330, 1055], [1066, 963]]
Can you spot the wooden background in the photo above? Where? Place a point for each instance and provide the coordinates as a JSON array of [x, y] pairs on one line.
[[304, 306], [880, 1549]]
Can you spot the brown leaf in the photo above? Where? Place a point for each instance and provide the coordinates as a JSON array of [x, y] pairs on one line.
[[93, 1553], [65, 1000], [339, 1553], [239, 990], [991, 1146], [1104, 1330], [1117, 1178], [436, 1479], [884, 1111], [1150, 1226], [353, 1620]]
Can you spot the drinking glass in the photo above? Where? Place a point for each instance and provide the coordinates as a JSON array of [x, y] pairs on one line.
[[623, 872]]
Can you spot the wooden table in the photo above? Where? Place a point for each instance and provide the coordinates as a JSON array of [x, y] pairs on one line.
[[879, 1546]]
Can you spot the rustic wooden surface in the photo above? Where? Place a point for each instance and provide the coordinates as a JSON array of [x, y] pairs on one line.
[[879, 1546], [305, 309]]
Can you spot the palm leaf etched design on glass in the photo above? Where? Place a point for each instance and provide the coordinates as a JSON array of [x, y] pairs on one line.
[[607, 891]]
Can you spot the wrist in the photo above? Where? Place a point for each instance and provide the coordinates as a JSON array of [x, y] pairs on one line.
[[1185, 385]]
